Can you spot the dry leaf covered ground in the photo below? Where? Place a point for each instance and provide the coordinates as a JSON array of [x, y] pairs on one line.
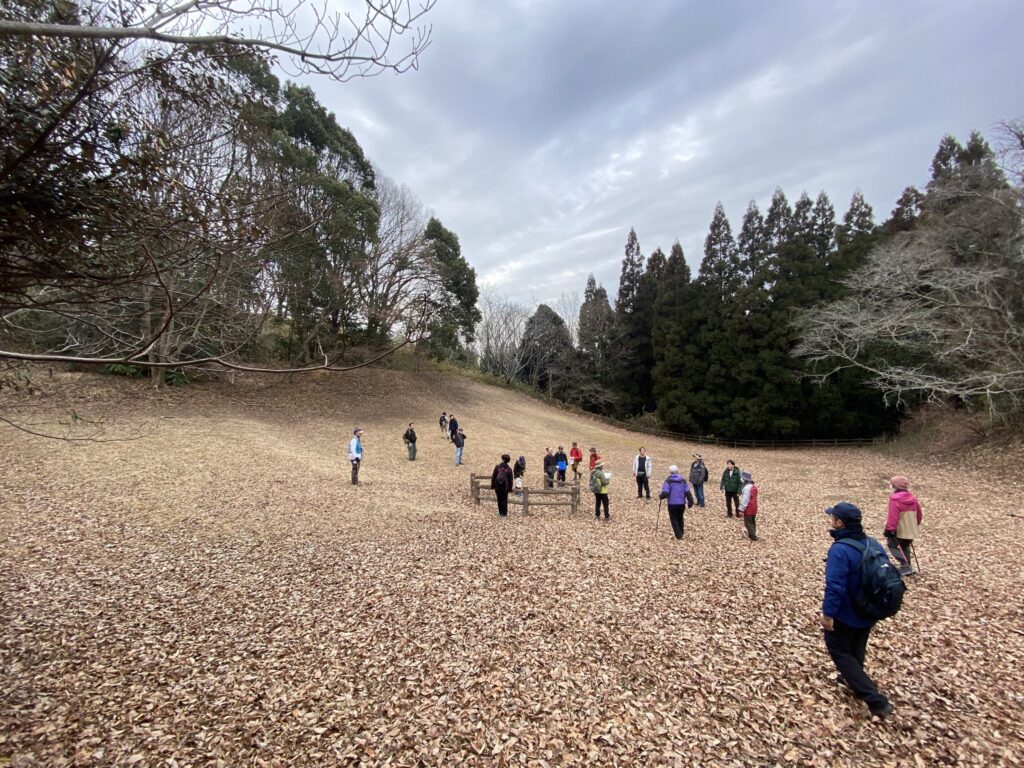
[[216, 593]]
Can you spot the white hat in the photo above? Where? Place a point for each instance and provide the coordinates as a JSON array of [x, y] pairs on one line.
[[673, 470]]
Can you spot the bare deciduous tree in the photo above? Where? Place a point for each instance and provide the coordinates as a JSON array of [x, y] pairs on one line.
[[314, 37], [499, 337]]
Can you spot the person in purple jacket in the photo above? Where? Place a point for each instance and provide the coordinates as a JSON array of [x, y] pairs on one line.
[[677, 492], [846, 631]]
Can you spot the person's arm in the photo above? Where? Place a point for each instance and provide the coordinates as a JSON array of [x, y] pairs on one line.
[[745, 498], [721, 485], [837, 572], [494, 477], [706, 475], [892, 521], [689, 498]]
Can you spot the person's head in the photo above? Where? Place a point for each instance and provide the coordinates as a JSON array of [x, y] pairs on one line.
[[746, 477], [673, 470], [730, 465], [410, 425], [461, 431], [548, 451], [573, 443], [561, 448], [358, 431], [697, 456], [505, 458], [599, 464], [643, 451], [444, 413], [899, 483], [593, 449], [844, 515]]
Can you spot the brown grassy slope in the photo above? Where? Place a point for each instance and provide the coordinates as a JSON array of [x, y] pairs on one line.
[[218, 591]]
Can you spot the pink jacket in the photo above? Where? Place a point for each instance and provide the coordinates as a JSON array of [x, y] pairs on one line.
[[901, 523]]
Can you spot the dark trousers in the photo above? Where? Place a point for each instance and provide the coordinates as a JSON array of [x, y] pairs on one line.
[[732, 499], [502, 494], [561, 475], [642, 484], [599, 500], [549, 478], [750, 521], [847, 646], [677, 516], [900, 549], [355, 471]]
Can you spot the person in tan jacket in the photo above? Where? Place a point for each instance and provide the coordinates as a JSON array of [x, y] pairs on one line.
[[902, 522]]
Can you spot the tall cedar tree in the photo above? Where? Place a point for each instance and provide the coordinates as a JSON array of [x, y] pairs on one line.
[[545, 345], [597, 348], [677, 359], [631, 380]]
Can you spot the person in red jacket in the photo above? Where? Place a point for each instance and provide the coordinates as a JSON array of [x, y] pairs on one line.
[[901, 524], [594, 458], [748, 505], [575, 456]]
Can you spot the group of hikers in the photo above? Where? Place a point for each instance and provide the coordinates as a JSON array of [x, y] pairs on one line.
[[861, 586]]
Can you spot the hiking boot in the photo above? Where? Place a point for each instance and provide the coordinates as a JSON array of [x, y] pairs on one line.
[[883, 711]]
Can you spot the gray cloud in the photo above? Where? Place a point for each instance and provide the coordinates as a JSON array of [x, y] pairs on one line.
[[540, 132]]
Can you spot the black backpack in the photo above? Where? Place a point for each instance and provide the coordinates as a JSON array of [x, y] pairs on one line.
[[503, 478], [881, 585]]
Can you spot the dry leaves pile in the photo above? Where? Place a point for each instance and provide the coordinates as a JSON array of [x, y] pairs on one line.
[[216, 593]]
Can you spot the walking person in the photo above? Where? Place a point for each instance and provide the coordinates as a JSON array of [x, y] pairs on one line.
[[846, 631], [576, 455], [732, 482], [443, 423], [748, 505], [549, 468], [561, 464], [453, 427], [642, 473], [355, 453], [594, 458], [698, 476], [410, 442], [599, 482], [678, 496], [501, 483], [460, 442], [517, 475], [901, 524]]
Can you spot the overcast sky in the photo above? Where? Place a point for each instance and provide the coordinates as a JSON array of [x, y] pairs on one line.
[[541, 131]]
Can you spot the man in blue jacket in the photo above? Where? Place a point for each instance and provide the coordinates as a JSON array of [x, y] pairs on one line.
[[846, 632]]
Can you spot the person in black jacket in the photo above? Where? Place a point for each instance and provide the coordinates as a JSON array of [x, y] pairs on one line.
[[549, 468], [410, 442], [501, 483], [459, 438], [453, 427], [517, 475]]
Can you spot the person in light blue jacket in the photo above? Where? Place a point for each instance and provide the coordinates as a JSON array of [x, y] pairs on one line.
[[355, 453], [846, 631]]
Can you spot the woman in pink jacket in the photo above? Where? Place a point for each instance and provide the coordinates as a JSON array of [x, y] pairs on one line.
[[901, 525]]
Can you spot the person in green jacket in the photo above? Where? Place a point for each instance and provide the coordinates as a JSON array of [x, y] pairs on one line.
[[599, 480], [731, 484]]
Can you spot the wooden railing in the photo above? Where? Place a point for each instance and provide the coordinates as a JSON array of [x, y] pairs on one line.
[[564, 494]]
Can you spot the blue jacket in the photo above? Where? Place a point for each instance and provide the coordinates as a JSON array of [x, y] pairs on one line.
[[842, 578], [677, 489]]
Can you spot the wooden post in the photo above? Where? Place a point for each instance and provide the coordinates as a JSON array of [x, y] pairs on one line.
[[474, 487]]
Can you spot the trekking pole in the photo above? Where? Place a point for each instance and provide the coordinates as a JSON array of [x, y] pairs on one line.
[[657, 520], [913, 551]]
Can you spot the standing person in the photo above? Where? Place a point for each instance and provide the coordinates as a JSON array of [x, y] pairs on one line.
[[549, 468], [599, 482], [459, 438], [561, 464], [731, 483], [678, 495], [410, 442], [846, 631], [901, 524], [576, 455], [748, 505], [642, 473], [443, 422], [355, 453], [517, 475], [594, 458], [501, 483], [698, 476], [453, 427]]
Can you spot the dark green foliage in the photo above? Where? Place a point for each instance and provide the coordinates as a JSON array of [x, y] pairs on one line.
[[546, 344], [455, 313]]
